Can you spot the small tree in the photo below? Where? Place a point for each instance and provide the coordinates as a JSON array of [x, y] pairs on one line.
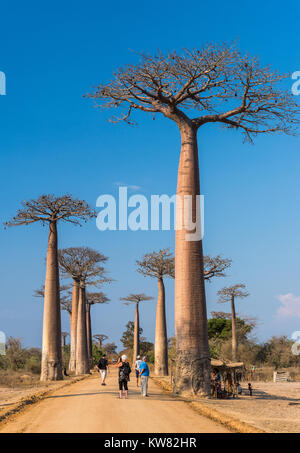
[[92, 299], [64, 335], [215, 84], [136, 299], [159, 265], [229, 294], [110, 348], [50, 210], [127, 338], [100, 337]]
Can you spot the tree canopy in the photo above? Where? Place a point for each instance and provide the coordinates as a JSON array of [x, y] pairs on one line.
[[225, 294], [135, 298], [83, 264], [49, 208], [157, 264], [215, 266], [215, 83]]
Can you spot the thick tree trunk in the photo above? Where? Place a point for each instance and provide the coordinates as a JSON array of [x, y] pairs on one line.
[[82, 360], [161, 339], [51, 369], [73, 329], [89, 334], [233, 327], [136, 337], [192, 350]]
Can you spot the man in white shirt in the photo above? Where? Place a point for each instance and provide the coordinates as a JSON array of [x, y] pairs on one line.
[[137, 369]]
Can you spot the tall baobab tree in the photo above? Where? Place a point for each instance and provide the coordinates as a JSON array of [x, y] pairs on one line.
[[70, 266], [136, 299], [229, 294], [92, 299], [215, 84], [100, 337], [159, 265], [65, 303], [215, 266], [50, 210], [83, 264]]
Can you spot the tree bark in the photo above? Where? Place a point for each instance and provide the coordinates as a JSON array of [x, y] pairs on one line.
[[233, 327], [136, 337], [73, 329], [82, 361], [51, 368], [89, 334], [192, 350], [161, 339]]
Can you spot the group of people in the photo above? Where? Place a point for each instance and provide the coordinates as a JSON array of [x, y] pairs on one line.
[[142, 373], [231, 386]]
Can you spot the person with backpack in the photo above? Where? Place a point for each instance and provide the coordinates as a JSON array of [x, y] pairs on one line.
[[103, 366], [124, 375]]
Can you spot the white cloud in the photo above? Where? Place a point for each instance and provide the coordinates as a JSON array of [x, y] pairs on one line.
[[290, 306], [132, 187]]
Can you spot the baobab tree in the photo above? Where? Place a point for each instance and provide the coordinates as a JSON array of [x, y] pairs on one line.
[[92, 299], [215, 266], [84, 265], [136, 299], [159, 265], [229, 294], [65, 302], [50, 210], [215, 84], [64, 335], [100, 337]]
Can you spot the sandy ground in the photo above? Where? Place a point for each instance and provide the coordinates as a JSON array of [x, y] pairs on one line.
[[10, 396], [274, 407], [88, 407]]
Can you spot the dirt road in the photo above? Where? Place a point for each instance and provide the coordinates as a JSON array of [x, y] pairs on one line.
[[88, 407]]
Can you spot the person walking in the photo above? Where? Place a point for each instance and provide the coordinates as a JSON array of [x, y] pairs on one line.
[[137, 369], [103, 367], [124, 375], [144, 374]]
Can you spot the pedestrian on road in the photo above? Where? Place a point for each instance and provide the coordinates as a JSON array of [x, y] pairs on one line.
[[137, 369], [144, 374], [103, 366], [124, 375]]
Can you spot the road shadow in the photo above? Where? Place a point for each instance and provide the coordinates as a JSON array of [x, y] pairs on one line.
[[132, 396], [261, 395], [7, 404]]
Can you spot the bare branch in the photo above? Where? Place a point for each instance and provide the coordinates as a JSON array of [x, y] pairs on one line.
[[83, 264], [135, 298], [227, 293], [216, 81], [157, 264], [215, 266], [48, 208]]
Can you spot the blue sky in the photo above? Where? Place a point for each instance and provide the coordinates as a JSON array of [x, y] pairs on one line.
[[52, 140]]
